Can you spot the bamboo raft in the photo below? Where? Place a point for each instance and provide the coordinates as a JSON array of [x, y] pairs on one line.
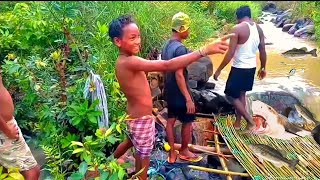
[[303, 148]]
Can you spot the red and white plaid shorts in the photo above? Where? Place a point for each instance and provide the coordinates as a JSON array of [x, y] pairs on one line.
[[142, 134]]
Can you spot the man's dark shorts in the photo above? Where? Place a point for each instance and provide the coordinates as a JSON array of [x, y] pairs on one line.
[[180, 113], [239, 80]]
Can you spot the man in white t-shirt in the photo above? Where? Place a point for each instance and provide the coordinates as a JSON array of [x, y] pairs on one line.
[[243, 46]]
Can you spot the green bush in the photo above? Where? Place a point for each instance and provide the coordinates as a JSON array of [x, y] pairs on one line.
[[227, 9], [47, 49]]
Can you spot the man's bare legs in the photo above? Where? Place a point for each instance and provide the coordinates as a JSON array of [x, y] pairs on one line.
[[32, 174], [240, 108], [237, 123], [170, 135], [122, 148], [186, 132]]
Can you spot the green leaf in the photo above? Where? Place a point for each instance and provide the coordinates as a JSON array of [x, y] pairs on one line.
[[92, 119], [118, 127], [78, 150], [76, 120], [76, 176], [86, 157], [1, 168], [83, 168], [111, 139], [121, 173], [114, 176], [4, 175], [16, 176], [104, 176], [76, 143], [10, 178]]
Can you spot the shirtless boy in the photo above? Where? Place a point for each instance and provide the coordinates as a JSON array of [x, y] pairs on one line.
[[130, 72], [243, 47], [14, 152]]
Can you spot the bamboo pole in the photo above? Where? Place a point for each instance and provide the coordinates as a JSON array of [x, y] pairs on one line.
[[206, 148], [228, 173], [222, 161], [213, 153]]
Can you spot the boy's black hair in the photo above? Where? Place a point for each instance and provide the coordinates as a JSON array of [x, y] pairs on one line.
[[243, 11], [116, 26]]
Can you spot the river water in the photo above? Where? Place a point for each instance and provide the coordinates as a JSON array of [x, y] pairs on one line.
[[304, 84]]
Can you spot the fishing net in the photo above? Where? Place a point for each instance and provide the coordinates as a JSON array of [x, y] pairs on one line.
[[94, 89], [303, 148]]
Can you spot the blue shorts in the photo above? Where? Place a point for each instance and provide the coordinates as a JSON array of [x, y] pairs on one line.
[[239, 80]]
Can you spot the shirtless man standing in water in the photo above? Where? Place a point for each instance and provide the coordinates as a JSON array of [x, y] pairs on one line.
[[14, 152], [130, 72]]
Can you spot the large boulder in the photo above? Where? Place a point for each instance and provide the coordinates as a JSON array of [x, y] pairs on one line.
[[287, 14], [213, 102], [200, 71], [287, 27], [300, 23], [307, 29], [293, 29], [280, 23]]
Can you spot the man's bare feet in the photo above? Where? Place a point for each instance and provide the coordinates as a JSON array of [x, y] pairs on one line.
[[189, 156], [172, 157], [237, 124], [251, 127]]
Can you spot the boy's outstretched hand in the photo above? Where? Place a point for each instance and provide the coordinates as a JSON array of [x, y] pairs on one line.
[[218, 47]]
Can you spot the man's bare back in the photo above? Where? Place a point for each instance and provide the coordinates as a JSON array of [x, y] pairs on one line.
[[134, 85], [6, 103], [243, 32]]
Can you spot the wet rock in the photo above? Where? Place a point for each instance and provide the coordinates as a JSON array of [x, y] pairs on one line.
[[216, 103], [210, 85], [306, 29], [200, 71], [286, 22], [304, 36], [300, 23], [285, 14], [287, 27], [278, 12], [312, 37], [280, 23], [310, 28], [193, 84], [292, 30], [273, 20], [210, 101]]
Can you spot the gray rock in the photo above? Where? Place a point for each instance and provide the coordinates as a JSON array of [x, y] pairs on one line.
[[280, 23], [192, 84], [210, 85], [306, 29], [200, 71], [286, 22], [273, 20], [292, 30], [287, 27], [312, 37]]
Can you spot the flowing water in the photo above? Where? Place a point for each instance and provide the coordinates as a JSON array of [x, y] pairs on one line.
[[304, 84]]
